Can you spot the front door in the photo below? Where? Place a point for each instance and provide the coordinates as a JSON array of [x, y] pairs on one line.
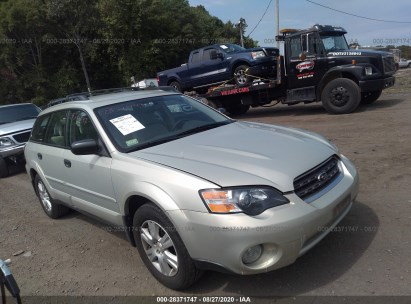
[[308, 71], [88, 176]]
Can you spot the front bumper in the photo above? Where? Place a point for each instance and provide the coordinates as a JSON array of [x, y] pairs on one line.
[[267, 68], [16, 150], [285, 232], [376, 84]]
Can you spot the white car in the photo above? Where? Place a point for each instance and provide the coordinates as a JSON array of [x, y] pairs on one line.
[[404, 63], [192, 188]]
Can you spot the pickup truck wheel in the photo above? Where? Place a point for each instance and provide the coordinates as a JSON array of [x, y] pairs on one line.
[[341, 96], [370, 97], [240, 75], [162, 250], [176, 85], [52, 209], [4, 169]]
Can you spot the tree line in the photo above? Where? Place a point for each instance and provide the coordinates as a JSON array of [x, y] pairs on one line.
[[51, 48]]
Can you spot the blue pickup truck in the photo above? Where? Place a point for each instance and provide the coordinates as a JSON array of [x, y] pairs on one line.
[[218, 63]]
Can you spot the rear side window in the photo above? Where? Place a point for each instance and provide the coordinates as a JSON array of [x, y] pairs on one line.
[[39, 128], [56, 129]]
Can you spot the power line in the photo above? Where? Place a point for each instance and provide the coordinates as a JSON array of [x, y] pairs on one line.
[[358, 16], [258, 23]]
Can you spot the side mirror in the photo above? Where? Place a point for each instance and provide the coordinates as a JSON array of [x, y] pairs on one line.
[[215, 55], [303, 56], [85, 147], [7, 279]]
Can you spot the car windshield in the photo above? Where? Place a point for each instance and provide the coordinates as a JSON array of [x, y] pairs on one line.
[[334, 42], [14, 113], [231, 48], [142, 123]]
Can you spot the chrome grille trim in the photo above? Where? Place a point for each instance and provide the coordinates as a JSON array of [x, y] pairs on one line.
[[389, 64], [316, 182]]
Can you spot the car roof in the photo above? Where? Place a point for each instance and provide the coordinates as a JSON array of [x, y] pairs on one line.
[[96, 101]]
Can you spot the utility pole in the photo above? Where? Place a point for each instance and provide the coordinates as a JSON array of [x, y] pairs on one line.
[[240, 25], [277, 10]]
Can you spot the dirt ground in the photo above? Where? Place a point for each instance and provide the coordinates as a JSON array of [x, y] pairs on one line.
[[368, 255]]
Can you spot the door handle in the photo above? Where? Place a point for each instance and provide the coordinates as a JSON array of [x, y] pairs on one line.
[[67, 163], [39, 156]]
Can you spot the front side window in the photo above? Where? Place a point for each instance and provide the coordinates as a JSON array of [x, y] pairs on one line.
[[56, 129], [295, 47], [141, 123], [80, 127]]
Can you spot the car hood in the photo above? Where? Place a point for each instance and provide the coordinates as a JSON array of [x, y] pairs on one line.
[[243, 153], [17, 126]]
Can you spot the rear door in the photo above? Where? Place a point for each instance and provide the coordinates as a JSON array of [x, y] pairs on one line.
[[46, 152]]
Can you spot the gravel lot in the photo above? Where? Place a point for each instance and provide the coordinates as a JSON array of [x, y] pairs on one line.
[[367, 255]]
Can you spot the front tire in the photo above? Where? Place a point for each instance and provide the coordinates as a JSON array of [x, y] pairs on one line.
[[370, 97], [4, 169], [341, 96], [240, 75], [52, 209], [162, 250]]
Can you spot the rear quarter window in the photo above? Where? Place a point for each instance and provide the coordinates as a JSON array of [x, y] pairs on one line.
[[39, 128]]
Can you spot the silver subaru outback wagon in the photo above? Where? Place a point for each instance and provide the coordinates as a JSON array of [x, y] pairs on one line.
[[192, 188]]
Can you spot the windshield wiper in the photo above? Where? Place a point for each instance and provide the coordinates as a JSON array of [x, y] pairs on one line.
[[203, 128], [179, 135]]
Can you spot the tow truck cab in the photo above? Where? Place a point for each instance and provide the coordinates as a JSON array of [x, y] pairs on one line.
[[317, 56]]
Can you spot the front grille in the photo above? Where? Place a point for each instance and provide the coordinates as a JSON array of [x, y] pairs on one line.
[[317, 179], [389, 64], [22, 137]]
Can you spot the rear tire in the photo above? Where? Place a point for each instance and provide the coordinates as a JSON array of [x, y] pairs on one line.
[[176, 85], [341, 96], [162, 250], [4, 169], [52, 209], [370, 97]]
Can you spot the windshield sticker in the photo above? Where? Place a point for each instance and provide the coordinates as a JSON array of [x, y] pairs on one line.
[[224, 47], [345, 53], [127, 124], [306, 65], [132, 142]]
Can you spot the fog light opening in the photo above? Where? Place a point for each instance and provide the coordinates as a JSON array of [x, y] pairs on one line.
[[252, 254]]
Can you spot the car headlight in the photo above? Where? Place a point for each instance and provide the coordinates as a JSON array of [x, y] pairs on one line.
[[257, 54], [6, 142], [250, 200]]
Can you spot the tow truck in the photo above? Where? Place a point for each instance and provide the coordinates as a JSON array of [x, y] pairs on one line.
[[317, 65]]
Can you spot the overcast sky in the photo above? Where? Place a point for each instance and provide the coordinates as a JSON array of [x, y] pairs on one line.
[[302, 14]]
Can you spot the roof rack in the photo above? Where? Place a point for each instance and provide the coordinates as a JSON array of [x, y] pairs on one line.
[[87, 95]]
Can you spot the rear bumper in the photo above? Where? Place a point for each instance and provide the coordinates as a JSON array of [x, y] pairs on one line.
[[376, 84]]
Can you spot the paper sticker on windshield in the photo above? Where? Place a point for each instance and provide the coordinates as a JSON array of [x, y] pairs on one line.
[[127, 124], [224, 47]]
